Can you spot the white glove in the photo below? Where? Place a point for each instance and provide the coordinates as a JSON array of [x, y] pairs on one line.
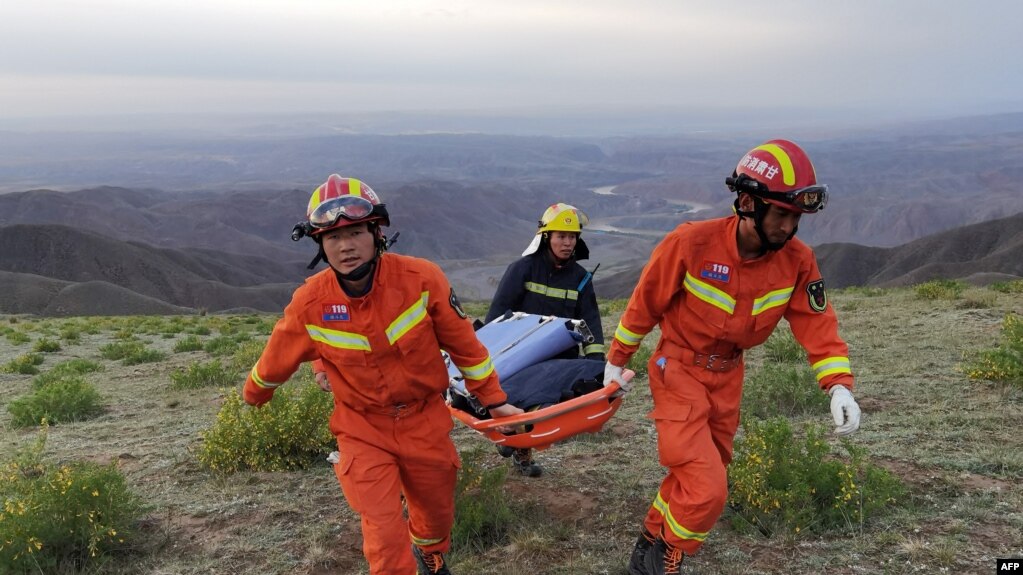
[[614, 373], [844, 410]]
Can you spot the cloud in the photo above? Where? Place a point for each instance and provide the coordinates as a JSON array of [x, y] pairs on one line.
[[154, 55]]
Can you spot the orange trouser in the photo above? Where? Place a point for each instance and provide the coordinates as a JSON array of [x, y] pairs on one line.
[[696, 413], [389, 454]]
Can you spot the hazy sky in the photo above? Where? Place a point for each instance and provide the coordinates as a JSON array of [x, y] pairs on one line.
[[60, 57]]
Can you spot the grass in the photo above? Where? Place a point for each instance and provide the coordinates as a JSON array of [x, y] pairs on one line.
[[953, 441]]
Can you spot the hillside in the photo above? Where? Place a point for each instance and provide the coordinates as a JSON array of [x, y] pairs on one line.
[[37, 255], [40, 262], [953, 442], [994, 247]]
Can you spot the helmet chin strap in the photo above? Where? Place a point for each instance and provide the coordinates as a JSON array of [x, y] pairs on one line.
[[359, 272], [760, 208]]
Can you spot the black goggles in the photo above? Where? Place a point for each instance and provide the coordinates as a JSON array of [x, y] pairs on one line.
[[351, 208], [808, 200]]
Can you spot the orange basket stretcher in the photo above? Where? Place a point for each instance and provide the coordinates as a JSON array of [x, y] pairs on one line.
[[517, 341], [540, 428]]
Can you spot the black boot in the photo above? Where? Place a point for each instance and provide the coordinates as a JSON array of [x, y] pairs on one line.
[[664, 559], [505, 451], [637, 563], [430, 563], [523, 460]]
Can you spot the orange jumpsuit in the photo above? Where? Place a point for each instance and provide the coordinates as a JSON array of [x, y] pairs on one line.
[[382, 355], [711, 305]]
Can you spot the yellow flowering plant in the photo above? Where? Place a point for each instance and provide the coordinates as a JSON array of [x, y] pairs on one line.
[[289, 432], [57, 517], [1003, 363], [781, 483]]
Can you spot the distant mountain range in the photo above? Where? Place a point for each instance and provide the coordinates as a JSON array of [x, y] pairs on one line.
[[203, 221], [980, 253], [58, 270]]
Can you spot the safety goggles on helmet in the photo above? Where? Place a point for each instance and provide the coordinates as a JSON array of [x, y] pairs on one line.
[[808, 200], [351, 208]]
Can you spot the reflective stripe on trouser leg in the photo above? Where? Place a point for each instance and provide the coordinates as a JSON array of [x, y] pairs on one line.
[[696, 416]]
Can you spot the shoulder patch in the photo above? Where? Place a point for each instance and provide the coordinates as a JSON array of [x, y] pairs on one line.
[[456, 305], [816, 295]]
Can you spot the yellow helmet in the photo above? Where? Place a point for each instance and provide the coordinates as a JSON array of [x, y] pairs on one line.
[[561, 217]]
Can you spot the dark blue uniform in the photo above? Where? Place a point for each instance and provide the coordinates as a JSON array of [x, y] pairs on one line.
[[534, 284]]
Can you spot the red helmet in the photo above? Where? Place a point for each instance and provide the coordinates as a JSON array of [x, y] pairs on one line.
[[343, 202], [780, 172]]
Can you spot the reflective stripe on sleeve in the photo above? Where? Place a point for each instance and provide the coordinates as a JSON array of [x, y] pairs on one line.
[[772, 299], [260, 381], [479, 371], [830, 365], [627, 336], [709, 294], [338, 339], [408, 319], [593, 348]]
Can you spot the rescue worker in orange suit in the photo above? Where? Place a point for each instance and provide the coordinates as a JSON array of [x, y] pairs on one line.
[[716, 288], [548, 280], [378, 322]]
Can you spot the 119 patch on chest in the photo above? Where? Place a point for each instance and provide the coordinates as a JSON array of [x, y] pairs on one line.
[[715, 271], [336, 312]]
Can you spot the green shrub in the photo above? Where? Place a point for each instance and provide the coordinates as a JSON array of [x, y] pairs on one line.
[[64, 400], [940, 289], [16, 337], [144, 355], [119, 350], [221, 345], [775, 390], [24, 364], [783, 347], [1003, 363], [65, 369], [199, 330], [289, 432], [482, 513], [212, 374], [1014, 286], [131, 352], [190, 343], [71, 335], [247, 355], [61, 518], [46, 345], [783, 484]]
